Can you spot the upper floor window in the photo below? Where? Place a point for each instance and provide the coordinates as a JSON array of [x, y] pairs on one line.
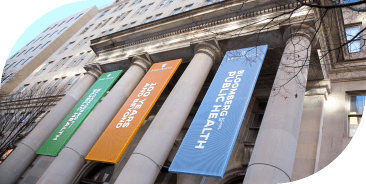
[[170, 2], [71, 82], [147, 20], [104, 13], [53, 33], [79, 16], [27, 60], [162, 3], [132, 24], [14, 55], [357, 104], [23, 88], [37, 39], [136, 2], [45, 36], [352, 33], [46, 29], [70, 19], [44, 68], [122, 28], [36, 47], [350, 1], [61, 63], [147, 8], [176, 11], [86, 28], [67, 47], [61, 23], [6, 78], [187, 8], [62, 30], [53, 26], [28, 50], [139, 10], [21, 53], [208, 2], [29, 42], [93, 58], [157, 16], [45, 44], [18, 62]]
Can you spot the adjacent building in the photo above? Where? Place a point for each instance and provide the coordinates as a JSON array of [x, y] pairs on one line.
[[306, 105]]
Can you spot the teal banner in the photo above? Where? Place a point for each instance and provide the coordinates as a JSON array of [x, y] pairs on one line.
[[78, 114]]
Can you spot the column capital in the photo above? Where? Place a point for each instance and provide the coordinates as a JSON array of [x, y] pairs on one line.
[[94, 70], [144, 62], [301, 30], [210, 48]]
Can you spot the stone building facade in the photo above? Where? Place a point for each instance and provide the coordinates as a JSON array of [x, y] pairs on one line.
[[304, 110]]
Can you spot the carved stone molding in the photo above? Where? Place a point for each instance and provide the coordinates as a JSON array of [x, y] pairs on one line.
[[94, 70], [143, 62], [212, 49]]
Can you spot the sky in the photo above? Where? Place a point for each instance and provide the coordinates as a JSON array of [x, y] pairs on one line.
[[52, 16]]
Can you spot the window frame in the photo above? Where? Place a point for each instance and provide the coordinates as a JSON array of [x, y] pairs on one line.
[[357, 39]]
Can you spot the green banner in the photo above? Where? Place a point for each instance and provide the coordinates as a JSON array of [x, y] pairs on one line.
[[78, 114]]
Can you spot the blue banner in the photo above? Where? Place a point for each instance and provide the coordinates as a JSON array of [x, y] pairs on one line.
[[207, 146]]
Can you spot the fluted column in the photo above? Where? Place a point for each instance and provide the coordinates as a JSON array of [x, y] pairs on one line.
[[25, 153], [72, 157], [155, 145], [274, 152]]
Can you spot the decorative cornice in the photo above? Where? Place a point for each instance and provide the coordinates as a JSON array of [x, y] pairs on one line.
[[205, 25]]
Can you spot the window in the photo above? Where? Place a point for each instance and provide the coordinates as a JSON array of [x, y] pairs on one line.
[[350, 1], [86, 28], [62, 30], [122, 28], [23, 88], [147, 20], [45, 36], [11, 65], [14, 55], [21, 53], [35, 88], [18, 62], [29, 42], [170, 2], [44, 68], [176, 11], [6, 66], [37, 39], [6, 78], [157, 16], [53, 33], [117, 18], [45, 44], [36, 47], [99, 24], [208, 2], [120, 7], [67, 46], [162, 3], [61, 23], [187, 8], [136, 2], [28, 50], [102, 34], [53, 26], [70, 19], [109, 32], [106, 21], [71, 82], [139, 10], [27, 60], [132, 24], [79, 16], [61, 63], [46, 29], [147, 8], [101, 15], [81, 43], [357, 104], [355, 45], [220, 0], [56, 83]]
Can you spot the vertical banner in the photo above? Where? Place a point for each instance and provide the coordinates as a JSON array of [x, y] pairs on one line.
[[78, 114], [207, 146], [118, 135]]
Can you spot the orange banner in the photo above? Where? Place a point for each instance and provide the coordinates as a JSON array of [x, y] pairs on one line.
[[118, 135]]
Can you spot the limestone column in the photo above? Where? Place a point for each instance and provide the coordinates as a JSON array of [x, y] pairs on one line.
[[72, 157], [155, 145], [308, 144], [274, 152], [25, 153]]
